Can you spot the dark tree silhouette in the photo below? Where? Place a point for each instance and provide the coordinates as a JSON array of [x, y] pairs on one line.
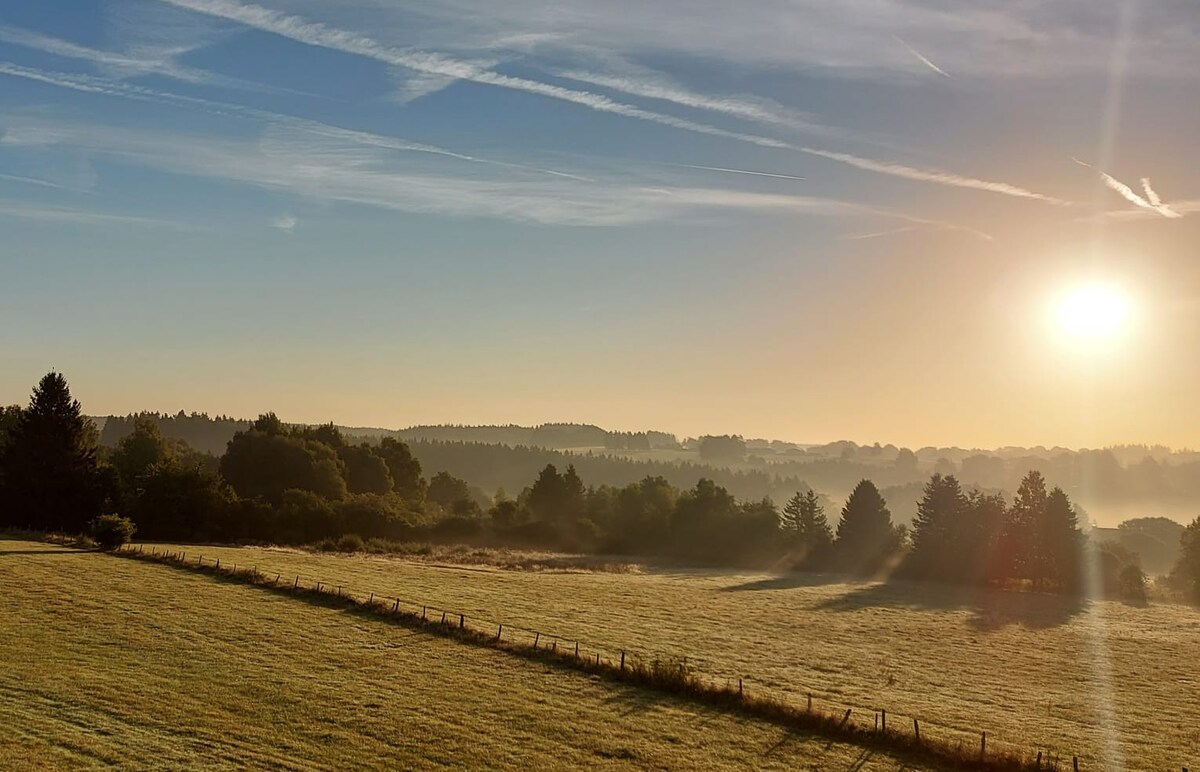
[[404, 468], [807, 528], [1187, 570], [51, 478], [935, 528], [865, 534]]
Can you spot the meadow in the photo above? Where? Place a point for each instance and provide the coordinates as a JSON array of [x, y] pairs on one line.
[[1112, 683], [110, 661]]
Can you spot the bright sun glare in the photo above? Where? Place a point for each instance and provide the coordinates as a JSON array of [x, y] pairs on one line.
[[1096, 312]]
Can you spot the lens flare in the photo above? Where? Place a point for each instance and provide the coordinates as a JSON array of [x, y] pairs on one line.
[[1093, 313]]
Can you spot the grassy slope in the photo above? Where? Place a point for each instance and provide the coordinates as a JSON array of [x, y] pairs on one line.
[[117, 661], [1027, 669]]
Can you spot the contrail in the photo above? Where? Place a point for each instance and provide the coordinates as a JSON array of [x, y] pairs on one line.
[[741, 171], [320, 35], [933, 175], [1129, 195], [91, 85], [922, 57], [1150, 194], [31, 181]]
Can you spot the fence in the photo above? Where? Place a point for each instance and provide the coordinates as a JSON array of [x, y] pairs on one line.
[[671, 672]]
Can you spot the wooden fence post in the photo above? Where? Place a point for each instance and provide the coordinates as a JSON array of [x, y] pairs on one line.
[[554, 647], [846, 717], [218, 564], [1039, 760], [1075, 763], [499, 630], [422, 613], [810, 702], [983, 745], [371, 599], [296, 583], [739, 686], [396, 607], [597, 659], [536, 637], [443, 618], [917, 733], [622, 660], [462, 621], [576, 649]]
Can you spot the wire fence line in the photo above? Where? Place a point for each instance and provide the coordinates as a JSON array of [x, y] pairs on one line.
[[876, 718]]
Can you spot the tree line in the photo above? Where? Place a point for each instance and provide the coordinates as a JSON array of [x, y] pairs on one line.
[[301, 484]]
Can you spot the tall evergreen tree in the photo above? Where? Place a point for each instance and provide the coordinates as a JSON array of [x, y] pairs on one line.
[[789, 521], [51, 477], [1059, 545], [813, 533], [865, 534], [939, 512]]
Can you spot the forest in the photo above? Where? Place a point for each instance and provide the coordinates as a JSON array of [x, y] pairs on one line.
[[279, 483]]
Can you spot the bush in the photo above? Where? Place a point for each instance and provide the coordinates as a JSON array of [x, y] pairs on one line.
[[112, 531], [1132, 583], [350, 542]]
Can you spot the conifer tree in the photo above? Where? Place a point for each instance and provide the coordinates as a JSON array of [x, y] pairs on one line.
[[865, 534], [51, 477]]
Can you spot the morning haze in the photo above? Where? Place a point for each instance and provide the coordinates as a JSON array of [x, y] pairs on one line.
[[628, 384]]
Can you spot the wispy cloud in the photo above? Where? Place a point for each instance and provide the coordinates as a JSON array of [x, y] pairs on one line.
[[318, 34], [144, 61], [923, 59], [26, 211], [285, 222], [93, 85], [31, 181]]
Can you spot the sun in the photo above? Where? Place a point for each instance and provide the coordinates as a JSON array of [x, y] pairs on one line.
[[1093, 313]]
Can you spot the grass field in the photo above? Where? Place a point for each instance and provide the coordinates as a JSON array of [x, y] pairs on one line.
[[111, 661], [1115, 684]]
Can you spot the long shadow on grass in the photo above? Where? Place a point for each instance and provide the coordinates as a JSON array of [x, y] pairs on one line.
[[43, 552], [788, 582], [990, 609]]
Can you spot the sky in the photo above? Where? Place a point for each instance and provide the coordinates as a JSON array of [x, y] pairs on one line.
[[799, 220]]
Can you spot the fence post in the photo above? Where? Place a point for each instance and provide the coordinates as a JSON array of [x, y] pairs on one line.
[[982, 745], [622, 660], [883, 720], [462, 621], [810, 702], [1039, 760], [597, 659], [276, 579], [536, 637], [296, 584], [422, 612], [739, 686], [218, 563], [499, 631], [576, 649], [371, 599], [1075, 763], [396, 608], [917, 734], [554, 647], [846, 717], [318, 586]]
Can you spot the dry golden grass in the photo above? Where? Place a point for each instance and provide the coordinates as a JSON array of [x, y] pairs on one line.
[[1113, 683], [120, 662]]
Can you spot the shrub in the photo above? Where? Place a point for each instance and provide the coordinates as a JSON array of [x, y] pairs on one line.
[[111, 531], [350, 542], [1132, 583]]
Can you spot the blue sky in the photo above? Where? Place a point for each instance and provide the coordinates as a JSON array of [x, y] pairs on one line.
[[805, 220]]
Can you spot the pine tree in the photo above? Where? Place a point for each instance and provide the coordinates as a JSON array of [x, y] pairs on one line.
[[816, 536], [789, 522], [939, 512], [865, 534], [52, 480], [1060, 544]]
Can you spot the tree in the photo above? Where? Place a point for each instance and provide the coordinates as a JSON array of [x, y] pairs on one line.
[[1187, 570], [865, 534], [51, 478], [725, 448], [8, 420], [263, 462], [404, 468], [178, 501], [941, 508], [365, 471], [1017, 556], [805, 522], [446, 490], [111, 531], [138, 452], [547, 497], [1059, 562]]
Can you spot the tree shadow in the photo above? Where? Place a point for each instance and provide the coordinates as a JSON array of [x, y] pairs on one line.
[[991, 609], [51, 551], [788, 582]]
